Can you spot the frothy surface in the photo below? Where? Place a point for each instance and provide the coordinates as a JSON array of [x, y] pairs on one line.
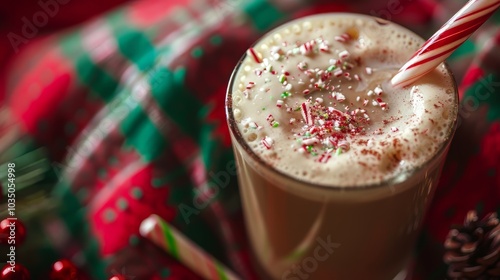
[[313, 99]]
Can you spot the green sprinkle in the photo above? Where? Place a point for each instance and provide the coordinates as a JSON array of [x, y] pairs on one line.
[[282, 78], [307, 133], [309, 148], [338, 152], [276, 124], [331, 68], [297, 109], [314, 153], [263, 109], [285, 94]]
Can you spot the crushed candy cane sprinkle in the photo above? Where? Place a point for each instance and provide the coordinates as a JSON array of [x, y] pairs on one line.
[[313, 99], [324, 129]]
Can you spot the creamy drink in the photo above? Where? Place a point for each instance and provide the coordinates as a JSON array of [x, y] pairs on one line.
[[336, 167]]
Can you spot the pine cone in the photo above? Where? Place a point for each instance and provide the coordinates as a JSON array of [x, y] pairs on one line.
[[473, 250]]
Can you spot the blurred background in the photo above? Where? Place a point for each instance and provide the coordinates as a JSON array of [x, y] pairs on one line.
[[64, 16]]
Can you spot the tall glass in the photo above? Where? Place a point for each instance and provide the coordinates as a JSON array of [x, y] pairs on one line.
[[300, 230]]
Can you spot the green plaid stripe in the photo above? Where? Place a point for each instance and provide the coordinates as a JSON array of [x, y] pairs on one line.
[[176, 100], [486, 92], [263, 14], [100, 81], [466, 49], [97, 79], [137, 48], [143, 135]]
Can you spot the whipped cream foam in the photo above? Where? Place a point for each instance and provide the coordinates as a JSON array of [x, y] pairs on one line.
[[313, 99]]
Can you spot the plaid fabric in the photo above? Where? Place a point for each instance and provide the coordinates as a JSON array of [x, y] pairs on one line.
[[130, 108]]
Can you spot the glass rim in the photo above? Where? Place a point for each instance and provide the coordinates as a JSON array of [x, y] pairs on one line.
[[234, 130]]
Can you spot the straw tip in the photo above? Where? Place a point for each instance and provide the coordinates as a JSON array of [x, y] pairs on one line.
[[147, 225], [397, 80]]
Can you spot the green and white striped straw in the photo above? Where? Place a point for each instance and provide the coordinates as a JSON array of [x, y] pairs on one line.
[[180, 247]]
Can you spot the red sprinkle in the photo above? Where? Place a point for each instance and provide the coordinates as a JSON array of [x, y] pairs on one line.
[[343, 38], [324, 47], [306, 114], [344, 145], [267, 142], [253, 125], [270, 119], [254, 55], [302, 65], [307, 47], [324, 158]]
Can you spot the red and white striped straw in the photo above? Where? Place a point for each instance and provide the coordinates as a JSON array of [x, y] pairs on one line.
[[449, 37]]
